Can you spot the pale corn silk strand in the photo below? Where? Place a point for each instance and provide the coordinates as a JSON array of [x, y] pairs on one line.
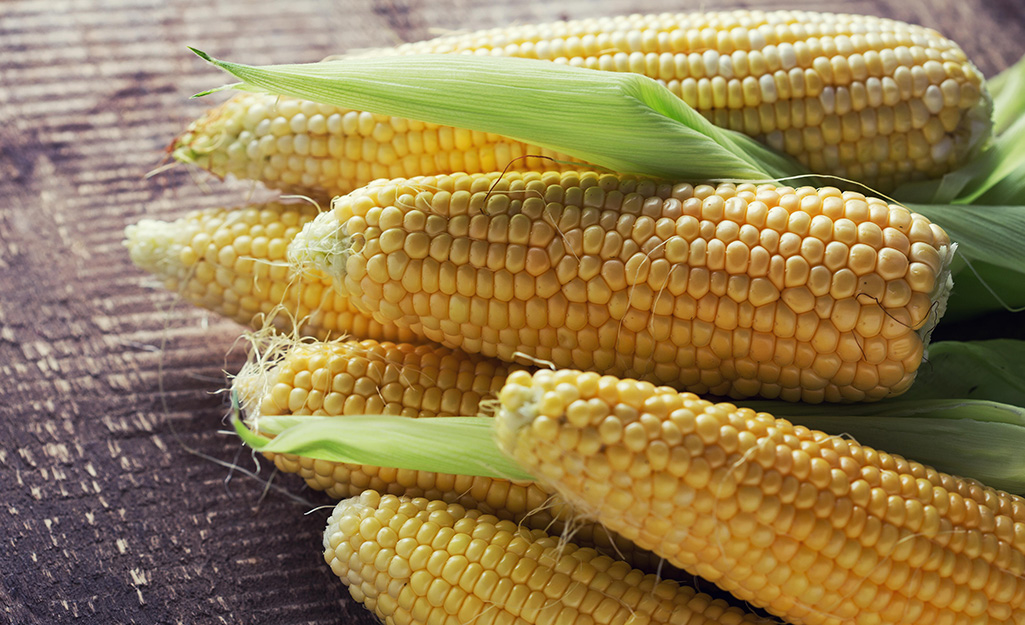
[[233, 465]]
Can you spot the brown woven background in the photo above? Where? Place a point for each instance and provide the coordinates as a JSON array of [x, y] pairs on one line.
[[107, 384]]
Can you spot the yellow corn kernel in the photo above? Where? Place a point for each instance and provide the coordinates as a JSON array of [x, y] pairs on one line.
[[813, 528], [423, 562], [232, 262], [731, 290], [864, 98]]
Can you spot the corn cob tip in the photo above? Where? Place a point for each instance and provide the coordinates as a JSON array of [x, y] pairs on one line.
[[255, 380], [154, 248], [203, 140], [322, 245]]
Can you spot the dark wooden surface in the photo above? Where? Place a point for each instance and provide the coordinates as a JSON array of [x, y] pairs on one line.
[[116, 501]]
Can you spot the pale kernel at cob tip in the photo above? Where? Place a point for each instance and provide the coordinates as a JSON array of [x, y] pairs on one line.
[[731, 290]]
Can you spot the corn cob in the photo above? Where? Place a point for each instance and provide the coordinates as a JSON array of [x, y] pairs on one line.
[[370, 377], [862, 98], [414, 561], [813, 528], [801, 294], [232, 262], [417, 381]]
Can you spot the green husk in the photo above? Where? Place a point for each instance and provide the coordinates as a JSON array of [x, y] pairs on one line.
[[963, 415], [438, 445], [991, 234], [982, 370], [977, 439], [983, 288], [1008, 91], [621, 121], [970, 438]]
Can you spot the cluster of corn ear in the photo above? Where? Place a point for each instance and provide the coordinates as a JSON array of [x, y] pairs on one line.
[[232, 261], [416, 561], [732, 290], [868, 99], [352, 377], [804, 294], [813, 528]]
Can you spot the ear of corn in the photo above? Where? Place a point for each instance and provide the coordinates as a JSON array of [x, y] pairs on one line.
[[415, 561], [862, 98], [418, 381], [308, 148], [814, 528], [371, 377], [232, 262], [802, 294]]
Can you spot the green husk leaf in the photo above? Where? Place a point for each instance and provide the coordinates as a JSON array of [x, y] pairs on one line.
[[1008, 91], [964, 415], [621, 121], [984, 288], [969, 438], [955, 373], [980, 370], [1001, 180], [439, 444]]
